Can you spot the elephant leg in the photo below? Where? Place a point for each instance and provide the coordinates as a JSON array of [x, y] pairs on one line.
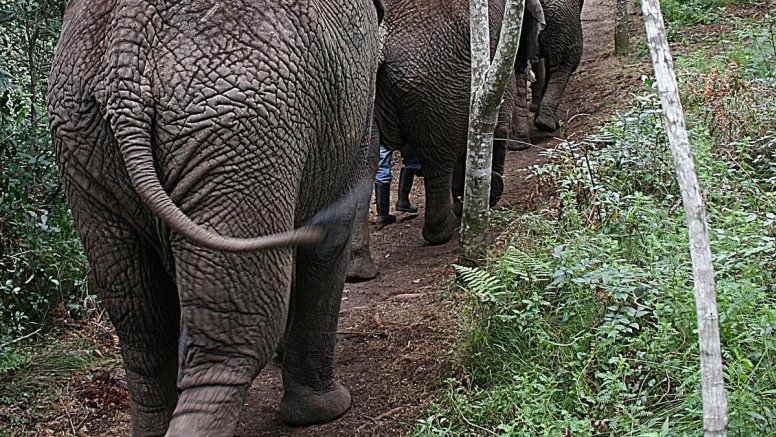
[[361, 267], [500, 138], [234, 308], [440, 222], [310, 392], [518, 136], [142, 302], [458, 185], [562, 47], [538, 86], [546, 119]]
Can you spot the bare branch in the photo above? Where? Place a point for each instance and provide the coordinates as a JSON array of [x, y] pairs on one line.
[[715, 417]]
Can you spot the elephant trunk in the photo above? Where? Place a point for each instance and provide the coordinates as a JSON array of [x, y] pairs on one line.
[[130, 111]]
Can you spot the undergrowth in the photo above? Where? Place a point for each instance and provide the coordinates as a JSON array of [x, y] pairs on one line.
[[56, 388], [42, 266], [585, 324], [692, 12]]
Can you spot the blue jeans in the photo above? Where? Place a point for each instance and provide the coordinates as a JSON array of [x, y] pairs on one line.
[[383, 175]]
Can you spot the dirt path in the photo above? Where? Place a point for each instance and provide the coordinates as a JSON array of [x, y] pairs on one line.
[[394, 330]]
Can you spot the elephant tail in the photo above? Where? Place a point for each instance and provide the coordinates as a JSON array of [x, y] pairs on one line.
[[138, 159], [140, 166], [130, 111]]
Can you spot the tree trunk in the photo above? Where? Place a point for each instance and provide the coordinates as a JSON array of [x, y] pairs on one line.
[[621, 39], [489, 80], [715, 417]]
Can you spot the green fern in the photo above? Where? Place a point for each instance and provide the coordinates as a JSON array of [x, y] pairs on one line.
[[523, 267], [483, 284]]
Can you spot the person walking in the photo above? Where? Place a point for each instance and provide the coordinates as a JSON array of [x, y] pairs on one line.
[[383, 178]]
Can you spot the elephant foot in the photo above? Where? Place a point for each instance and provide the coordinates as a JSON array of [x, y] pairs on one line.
[[361, 269], [304, 407], [208, 410], [517, 143], [546, 122], [438, 234], [149, 423]]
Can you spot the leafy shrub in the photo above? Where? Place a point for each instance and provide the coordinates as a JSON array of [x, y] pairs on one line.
[[692, 12], [585, 325], [758, 55], [41, 260]]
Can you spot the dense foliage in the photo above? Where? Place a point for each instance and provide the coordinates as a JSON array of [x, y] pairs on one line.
[[41, 259], [690, 12], [585, 324]]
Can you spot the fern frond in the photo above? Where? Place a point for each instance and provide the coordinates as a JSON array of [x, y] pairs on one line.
[[524, 267], [486, 286]]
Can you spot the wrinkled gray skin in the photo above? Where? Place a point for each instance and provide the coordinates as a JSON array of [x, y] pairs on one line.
[[252, 116], [560, 50], [422, 107]]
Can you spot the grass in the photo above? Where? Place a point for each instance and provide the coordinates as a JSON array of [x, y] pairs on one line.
[[585, 323]]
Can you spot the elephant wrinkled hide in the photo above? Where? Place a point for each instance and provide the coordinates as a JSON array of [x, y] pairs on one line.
[[175, 120], [560, 51], [422, 104]]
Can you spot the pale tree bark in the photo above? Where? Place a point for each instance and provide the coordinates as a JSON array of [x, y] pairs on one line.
[[489, 79], [621, 38], [715, 417]]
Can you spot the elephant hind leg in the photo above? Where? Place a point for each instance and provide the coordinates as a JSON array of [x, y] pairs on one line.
[[440, 222], [142, 302], [361, 266], [233, 306], [546, 119], [311, 394], [538, 86], [519, 125], [562, 48]]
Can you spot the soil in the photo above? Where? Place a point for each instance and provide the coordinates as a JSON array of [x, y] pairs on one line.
[[399, 333]]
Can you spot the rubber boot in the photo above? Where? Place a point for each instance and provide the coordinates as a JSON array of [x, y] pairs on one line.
[[405, 185], [383, 202]]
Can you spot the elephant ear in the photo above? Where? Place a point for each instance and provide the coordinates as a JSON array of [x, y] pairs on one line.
[[533, 24], [380, 10]]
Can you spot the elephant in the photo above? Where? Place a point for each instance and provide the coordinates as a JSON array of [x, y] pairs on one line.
[[212, 154], [422, 106], [560, 51]]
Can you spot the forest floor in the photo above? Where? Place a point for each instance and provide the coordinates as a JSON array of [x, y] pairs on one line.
[[398, 333]]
